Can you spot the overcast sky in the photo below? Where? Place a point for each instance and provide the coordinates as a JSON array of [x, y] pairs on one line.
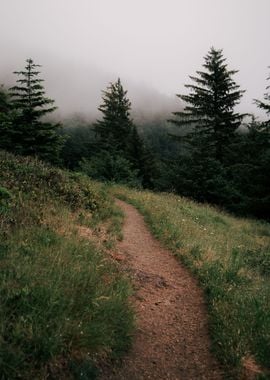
[[152, 44]]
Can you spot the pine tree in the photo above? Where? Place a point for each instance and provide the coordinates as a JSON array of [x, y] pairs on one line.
[[4, 100], [259, 155], [210, 124], [143, 159], [210, 106], [32, 135], [114, 130], [118, 141], [265, 105], [5, 116]]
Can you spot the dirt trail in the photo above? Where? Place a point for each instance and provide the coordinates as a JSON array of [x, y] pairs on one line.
[[172, 339]]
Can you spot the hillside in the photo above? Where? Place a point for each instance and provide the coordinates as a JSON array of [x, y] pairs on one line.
[[65, 305], [63, 302], [231, 259]]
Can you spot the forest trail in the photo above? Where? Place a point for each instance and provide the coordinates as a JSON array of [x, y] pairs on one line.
[[171, 340]]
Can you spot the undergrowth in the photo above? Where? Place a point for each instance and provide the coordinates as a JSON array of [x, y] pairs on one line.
[[231, 259], [64, 306]]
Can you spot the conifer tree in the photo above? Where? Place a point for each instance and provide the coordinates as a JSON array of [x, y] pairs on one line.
[[114, 130], [32, 134], [259, 155], [118, 141], [265, 105], [143, 159], [210, 106], [211, 122], [5, 116], [4, 100]]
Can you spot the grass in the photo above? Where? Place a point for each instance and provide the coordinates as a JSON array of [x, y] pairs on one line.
[[231, 259], [64, 305]]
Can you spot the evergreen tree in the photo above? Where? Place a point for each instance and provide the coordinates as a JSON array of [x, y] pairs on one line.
[[5, 117], [265, 105], [210, 106], [118, 142], [258, 156], [210, 124], [32, 135], [79, 141], [4, 100], [143, 160], [249, 170], [114, 130]]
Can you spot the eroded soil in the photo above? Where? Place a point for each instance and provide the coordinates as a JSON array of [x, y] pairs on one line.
[[171, 340]]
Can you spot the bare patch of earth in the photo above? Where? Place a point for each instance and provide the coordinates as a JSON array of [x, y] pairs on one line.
[[171, 340]]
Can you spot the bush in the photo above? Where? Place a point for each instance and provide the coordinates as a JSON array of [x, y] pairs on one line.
[[108, 167]]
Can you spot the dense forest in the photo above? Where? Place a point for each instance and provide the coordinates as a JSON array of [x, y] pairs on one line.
[[206, 150]]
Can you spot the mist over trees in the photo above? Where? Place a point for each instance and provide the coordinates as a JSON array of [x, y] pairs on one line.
[[207, 151], [111, 157]]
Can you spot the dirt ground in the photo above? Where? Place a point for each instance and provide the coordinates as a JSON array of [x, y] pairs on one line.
[[171, 340]]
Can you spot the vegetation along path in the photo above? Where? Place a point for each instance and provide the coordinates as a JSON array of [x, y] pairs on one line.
[[172, 339]]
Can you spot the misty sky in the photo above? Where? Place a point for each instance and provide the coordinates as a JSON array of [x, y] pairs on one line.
[[153, 45]]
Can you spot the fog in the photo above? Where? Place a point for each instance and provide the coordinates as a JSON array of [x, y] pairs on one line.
[[152, 45]]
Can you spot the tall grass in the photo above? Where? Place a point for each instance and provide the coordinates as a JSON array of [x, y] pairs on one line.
[[64, 305], [231, 259]]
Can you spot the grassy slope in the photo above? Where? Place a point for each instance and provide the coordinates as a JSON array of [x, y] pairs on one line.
[[63, 303], [231, 259]]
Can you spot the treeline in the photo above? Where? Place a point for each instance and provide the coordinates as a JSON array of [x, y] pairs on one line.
[[109, 150], [209, 152], [227, 161]]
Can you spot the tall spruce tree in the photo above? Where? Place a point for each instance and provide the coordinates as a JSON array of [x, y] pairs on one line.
[[32, 134], [114, 130], [210, 106], [210, 121], [118, 142]]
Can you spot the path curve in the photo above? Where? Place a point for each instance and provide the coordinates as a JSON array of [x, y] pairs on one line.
[[171, 340]]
